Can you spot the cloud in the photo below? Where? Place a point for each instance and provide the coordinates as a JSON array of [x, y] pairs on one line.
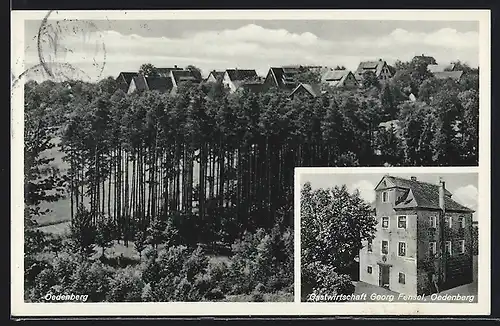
[[466, 196], [366, 190], [250, 46]]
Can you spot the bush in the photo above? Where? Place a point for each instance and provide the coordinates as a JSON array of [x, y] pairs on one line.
[[331, 283], [265, 258], [126, 286], [178, 274], [93, 279]]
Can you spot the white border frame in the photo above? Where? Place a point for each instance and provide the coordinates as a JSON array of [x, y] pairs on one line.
[[20, 308]]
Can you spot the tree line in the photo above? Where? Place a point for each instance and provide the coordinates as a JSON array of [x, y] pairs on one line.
[[225, 162]]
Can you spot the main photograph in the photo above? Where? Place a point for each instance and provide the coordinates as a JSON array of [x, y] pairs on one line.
[[159, 155]]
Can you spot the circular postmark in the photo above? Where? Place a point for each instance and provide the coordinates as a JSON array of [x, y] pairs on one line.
[[67, 49]]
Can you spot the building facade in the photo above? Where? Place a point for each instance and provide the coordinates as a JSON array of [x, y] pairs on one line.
[[423, 242]]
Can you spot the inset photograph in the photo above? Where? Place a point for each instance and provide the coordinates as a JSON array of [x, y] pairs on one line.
[[388, 237]]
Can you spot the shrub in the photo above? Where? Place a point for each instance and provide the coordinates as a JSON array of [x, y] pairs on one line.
[[93, 279], [126, 286]]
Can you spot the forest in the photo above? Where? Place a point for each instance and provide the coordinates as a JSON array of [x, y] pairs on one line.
[[206, 171]]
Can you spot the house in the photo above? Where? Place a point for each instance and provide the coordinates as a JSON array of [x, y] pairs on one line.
[[310, 90], [454, 75], [124, 78], [234, 78], [165, 72], [215, 76], [153, 83], [183, 76], [380, 68], [423, 240], [339, 78], [441, 67], [282, 78]]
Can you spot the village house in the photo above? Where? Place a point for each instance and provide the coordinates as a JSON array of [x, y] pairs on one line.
[[423, 242], [282, 78], [380, 68], [215, 76], [235, 78], [309, 90], [183, 76], [153, 83], [123, 80], [454, 75], [339, 78]]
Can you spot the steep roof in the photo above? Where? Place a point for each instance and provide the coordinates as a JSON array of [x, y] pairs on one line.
[[140, 83], [127, 76], [334, 75], [162, 84], [180, 76], [241, 74], [455, 75], [423, 195], [218, 75], [165, 72], [375, 66], [284, 77], [440, 67], [313, 89]]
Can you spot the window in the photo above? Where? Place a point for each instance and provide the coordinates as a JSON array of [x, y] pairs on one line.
[[461, 222], [402, 277], [401, 222], [432, 221], [447, 221], [370, 243], [432, 248], [401, 249], [385, 247], [385, 197], [462, 246], [369, 269], [385, 222], [448, 247]]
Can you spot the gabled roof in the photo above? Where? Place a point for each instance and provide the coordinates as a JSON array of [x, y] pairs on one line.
[[140, 83], [165, 72], [162, 84], [455, 75], [313, 89], [335, 75], [420, 194], [180, 76], [375, 66], [241, 74], [154, 83], [283, 77], [336, 78], [127, 76], [440, 68], [218, 75]]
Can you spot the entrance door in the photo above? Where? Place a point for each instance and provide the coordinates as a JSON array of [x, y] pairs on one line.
[[384, 276]]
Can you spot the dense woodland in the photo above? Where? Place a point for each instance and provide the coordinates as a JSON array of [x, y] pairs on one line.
[[214, 166]]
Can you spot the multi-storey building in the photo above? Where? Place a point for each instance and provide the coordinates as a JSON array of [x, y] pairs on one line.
[[423, 242]]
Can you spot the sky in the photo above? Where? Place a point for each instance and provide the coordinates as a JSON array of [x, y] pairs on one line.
[[463, 186], [97, 49]]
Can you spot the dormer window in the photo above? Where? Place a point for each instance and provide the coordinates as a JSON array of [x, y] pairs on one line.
[[385, 196]]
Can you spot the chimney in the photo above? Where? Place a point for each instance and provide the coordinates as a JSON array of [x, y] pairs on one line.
[[441, 194], [413, 178]]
